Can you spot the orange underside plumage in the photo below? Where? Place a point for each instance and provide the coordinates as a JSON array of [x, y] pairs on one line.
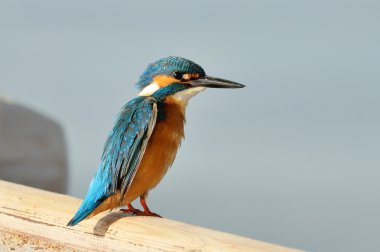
[[159, 156]]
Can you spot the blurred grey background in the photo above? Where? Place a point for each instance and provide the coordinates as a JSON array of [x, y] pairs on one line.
[[32, 148], [291, 159]]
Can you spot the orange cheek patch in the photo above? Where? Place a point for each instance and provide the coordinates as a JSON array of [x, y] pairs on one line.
[[163, 80]]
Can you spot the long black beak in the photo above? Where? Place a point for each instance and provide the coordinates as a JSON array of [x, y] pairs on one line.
[[213, 82]]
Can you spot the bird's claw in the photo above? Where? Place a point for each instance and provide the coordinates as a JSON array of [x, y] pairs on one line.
[[133, 211], [137, 212]]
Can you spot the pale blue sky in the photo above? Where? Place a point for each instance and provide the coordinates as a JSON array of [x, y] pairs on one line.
[[292, 159]]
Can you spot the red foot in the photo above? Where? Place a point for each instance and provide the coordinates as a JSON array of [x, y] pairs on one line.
[[134, 211], [131, 210], [146, 212], [138, 212]]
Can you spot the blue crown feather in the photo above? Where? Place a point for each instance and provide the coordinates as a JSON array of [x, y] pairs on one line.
[[166, 66]]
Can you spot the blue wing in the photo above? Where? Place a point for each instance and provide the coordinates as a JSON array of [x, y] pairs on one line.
[[122, 154]]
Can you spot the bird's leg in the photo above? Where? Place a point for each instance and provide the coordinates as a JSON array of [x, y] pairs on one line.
[[131, 210], [147, 211]]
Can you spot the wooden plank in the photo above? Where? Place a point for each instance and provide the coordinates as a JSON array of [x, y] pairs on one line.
[[32, 219]]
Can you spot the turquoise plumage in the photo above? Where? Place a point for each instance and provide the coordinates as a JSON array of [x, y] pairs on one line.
[[165, 84], [122, 153]]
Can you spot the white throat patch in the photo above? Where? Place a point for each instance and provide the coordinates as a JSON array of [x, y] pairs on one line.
[[150, 89], [181, 97], [184, 96]]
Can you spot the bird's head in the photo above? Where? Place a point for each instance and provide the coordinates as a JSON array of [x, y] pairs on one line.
[[178, 77]]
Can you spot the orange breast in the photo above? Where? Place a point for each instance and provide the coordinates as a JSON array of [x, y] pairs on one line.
[[159, 155], [160, 152]]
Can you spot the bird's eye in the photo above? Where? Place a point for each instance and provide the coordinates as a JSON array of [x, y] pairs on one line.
[[177, 75]]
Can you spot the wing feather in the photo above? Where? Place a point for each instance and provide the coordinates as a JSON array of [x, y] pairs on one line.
[[128, 140], [122, 154]]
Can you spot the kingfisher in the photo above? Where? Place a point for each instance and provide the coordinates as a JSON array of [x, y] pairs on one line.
[[146, 136]]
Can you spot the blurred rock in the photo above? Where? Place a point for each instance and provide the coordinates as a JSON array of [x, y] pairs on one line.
[[32, 148]]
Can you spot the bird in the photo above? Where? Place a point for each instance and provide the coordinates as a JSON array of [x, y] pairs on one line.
[[146, 136]]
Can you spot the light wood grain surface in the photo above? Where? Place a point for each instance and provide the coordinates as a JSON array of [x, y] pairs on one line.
[[33, 219]]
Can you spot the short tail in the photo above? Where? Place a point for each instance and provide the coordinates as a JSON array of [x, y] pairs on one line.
[[85, 210], [95, 196]]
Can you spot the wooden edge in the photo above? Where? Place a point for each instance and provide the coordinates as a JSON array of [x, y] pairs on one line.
[[32, 219]]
